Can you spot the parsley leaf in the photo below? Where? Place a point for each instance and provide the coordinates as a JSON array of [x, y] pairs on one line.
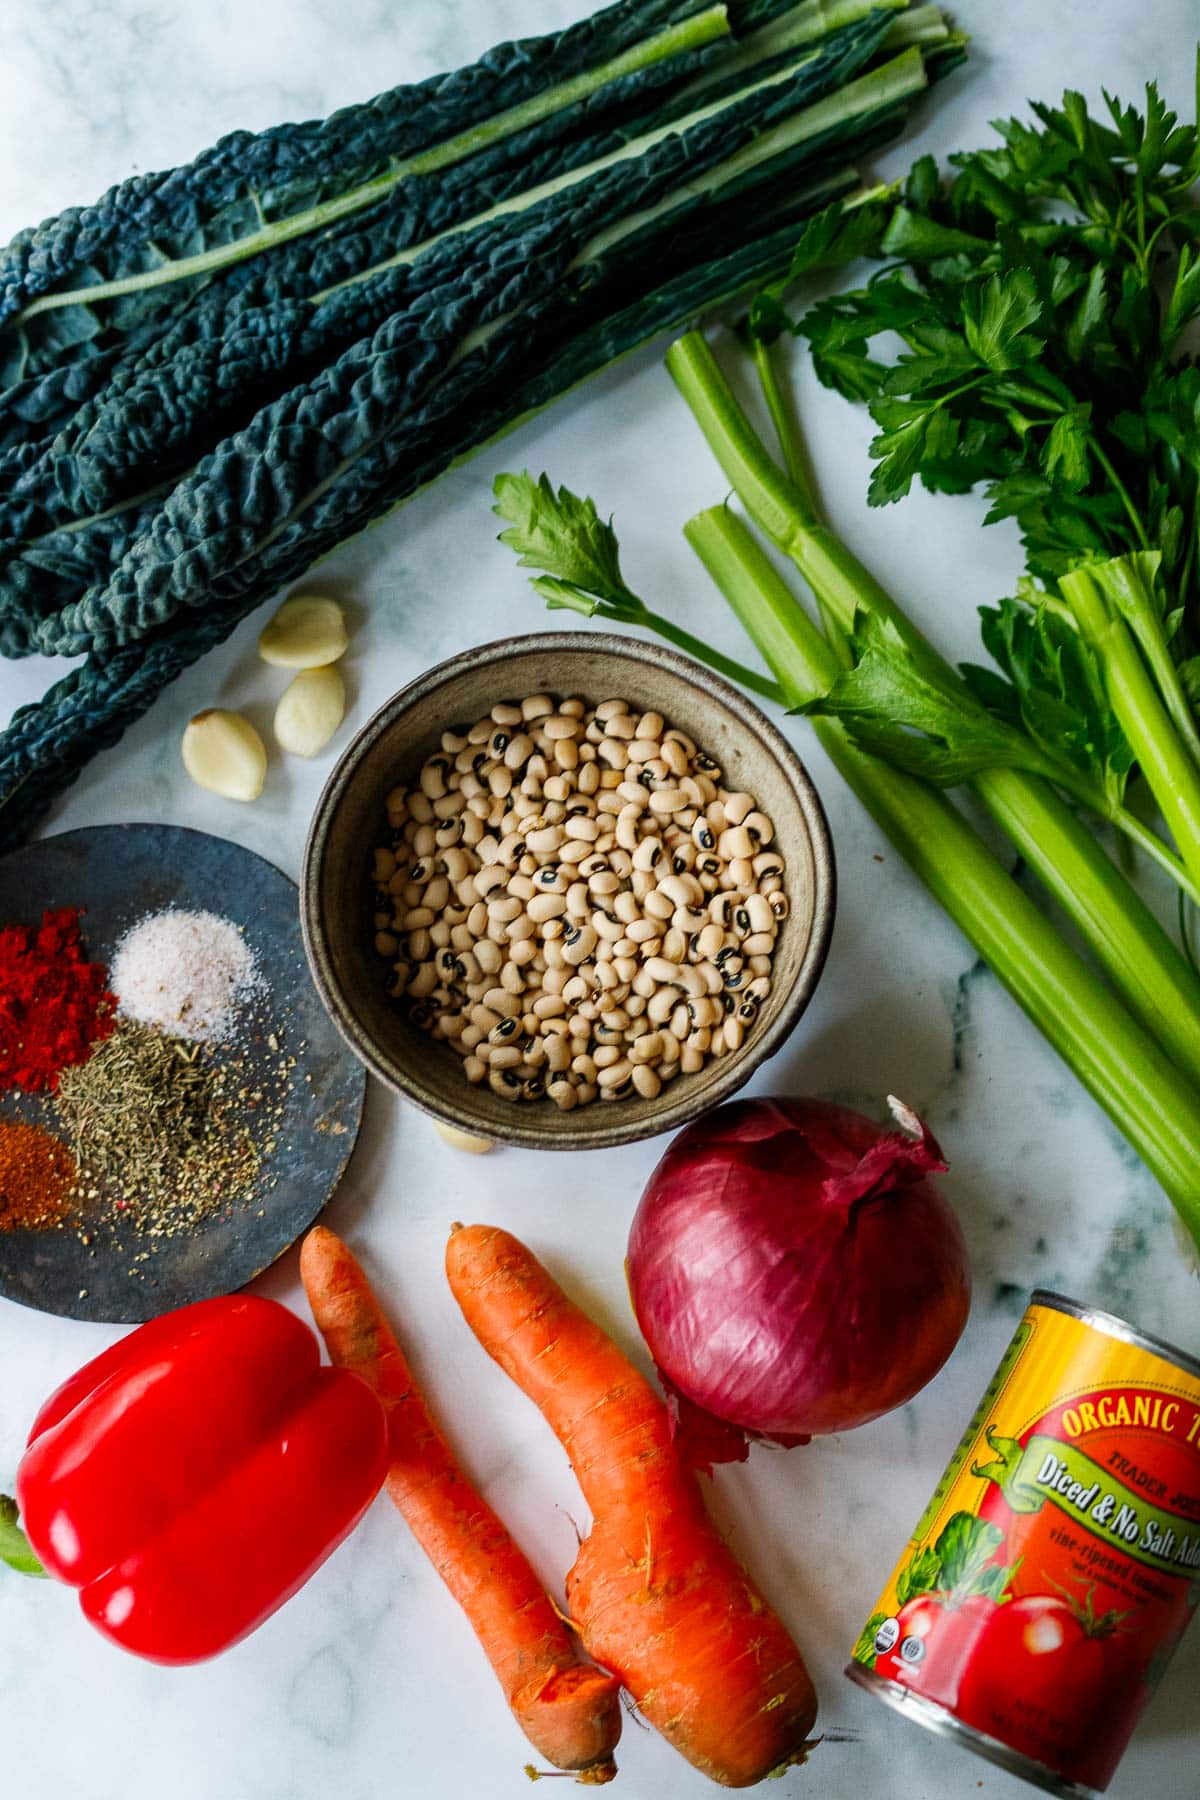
[[996, 318]]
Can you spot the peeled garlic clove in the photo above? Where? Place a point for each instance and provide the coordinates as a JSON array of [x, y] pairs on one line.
[[307, 632], [223, 753], [310, 710], [462, 1140]]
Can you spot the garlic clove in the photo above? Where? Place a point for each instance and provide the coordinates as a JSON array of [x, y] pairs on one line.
[[223, 753], [310, 710], [462, 1140], [306, 632]]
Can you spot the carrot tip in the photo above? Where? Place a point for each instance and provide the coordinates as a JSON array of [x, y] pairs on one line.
[[796, 1760], [598, 1775]]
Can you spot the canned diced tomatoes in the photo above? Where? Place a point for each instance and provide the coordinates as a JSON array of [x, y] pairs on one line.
[[1058, 1563]]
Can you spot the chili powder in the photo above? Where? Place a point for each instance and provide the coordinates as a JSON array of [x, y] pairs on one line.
[[37, 1178], [54, 1003]]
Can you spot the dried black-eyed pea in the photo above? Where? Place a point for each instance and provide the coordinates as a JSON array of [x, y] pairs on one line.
[[433, 779], [660, 1005]]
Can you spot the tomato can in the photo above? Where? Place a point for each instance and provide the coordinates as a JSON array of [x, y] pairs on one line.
[[1058, 1563]]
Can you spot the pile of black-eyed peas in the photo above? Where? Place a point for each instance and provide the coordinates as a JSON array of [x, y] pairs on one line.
[[572, 900]]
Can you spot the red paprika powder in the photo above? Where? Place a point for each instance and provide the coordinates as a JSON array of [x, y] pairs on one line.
[[37, 1178], [54, 1003]]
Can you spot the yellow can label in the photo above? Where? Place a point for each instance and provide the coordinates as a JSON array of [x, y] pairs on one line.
[[1058, 1562]]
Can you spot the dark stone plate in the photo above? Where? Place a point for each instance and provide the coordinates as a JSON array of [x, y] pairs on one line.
[[118, 873]]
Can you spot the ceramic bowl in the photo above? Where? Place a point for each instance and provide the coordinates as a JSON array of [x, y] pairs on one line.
[[337, 897]]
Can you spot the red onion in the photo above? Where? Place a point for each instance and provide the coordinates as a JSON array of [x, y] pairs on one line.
[[794, 1273]]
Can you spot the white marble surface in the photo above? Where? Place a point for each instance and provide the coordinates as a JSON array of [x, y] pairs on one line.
[[369, 1682]]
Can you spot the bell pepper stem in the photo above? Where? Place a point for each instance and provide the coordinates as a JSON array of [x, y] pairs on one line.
[[14, 1545]]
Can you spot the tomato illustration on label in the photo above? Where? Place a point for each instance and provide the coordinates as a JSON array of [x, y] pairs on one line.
[[1046, 1680]]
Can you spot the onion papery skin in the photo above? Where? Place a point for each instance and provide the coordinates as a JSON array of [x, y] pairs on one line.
[[794, 1272]]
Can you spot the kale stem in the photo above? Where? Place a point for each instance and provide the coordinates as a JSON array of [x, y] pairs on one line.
[[683, 35], [881, 86]]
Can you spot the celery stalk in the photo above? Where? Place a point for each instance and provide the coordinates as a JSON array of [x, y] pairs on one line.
[[1149, 971], [1097, 595], [1118, 1063], [1129, 583]]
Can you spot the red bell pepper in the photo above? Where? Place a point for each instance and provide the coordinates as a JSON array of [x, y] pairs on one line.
[[190, 1479]]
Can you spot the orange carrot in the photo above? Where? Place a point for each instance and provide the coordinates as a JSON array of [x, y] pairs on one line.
[[654, 1594], [567, 1709]]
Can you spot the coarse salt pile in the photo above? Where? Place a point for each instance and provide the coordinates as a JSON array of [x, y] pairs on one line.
[[184, 973]]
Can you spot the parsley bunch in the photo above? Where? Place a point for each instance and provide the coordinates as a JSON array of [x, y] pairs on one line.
[[1042, 299]]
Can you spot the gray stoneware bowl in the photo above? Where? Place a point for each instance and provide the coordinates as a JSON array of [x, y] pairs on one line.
[[337, 897]]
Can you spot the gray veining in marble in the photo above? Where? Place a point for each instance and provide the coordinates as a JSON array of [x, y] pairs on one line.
[[369, 1682]]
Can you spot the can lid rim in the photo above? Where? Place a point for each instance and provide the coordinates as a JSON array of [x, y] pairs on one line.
[[1118, 1328]]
